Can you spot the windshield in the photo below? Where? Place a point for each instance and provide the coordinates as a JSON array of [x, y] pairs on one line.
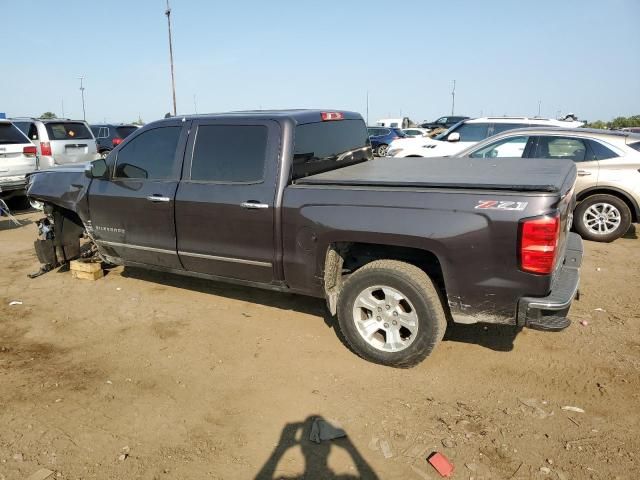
[[9, 134], [442, 136]]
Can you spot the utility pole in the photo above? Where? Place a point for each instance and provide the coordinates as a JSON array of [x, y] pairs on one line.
[[84, 113], [367, 108], [195, 105], [173, 80], [453, 98], [539, 105], [62, 103]]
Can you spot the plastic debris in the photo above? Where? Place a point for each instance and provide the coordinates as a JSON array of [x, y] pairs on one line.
[[323, 430], [442, 465], [41, 474], [545, 470], [569, 408], [18, 457], [584, 323], [599, 310], [385, 448], [15, 302]]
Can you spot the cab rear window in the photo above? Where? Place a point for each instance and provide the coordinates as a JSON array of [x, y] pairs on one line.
[[68, 131], [10, 134], [324, 146]]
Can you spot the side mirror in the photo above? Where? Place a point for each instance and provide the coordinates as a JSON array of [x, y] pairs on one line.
[[96, 169], [453, 137]]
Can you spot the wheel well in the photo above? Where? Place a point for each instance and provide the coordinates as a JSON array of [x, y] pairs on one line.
[[345, 258], [605, 191]]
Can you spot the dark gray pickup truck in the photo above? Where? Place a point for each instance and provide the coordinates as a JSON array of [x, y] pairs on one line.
[[293, 201]]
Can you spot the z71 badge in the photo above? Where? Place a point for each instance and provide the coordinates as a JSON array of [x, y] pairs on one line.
[[500, 205]]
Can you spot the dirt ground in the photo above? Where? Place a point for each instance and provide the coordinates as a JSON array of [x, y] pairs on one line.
[[153, 376]]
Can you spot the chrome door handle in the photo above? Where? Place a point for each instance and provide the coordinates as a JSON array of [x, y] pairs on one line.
[[583, 173], [254, 205], [158, 198]]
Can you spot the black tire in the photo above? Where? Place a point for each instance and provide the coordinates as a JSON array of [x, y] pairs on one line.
[[381, 151], [418, 288], [583, 229]]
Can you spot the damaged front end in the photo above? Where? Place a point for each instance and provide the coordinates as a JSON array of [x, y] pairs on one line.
[[63, 194]]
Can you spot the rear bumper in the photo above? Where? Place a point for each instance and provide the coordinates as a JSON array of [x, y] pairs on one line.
[[11, 188], [550, 312]]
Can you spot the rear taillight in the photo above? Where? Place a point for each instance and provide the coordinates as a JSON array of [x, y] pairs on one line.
[[326, 116], [116, 141], [30, 151], [539, 244], [45, 148]]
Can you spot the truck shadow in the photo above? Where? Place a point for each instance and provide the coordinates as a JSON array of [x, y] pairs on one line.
[[495, 337], [295, 436]]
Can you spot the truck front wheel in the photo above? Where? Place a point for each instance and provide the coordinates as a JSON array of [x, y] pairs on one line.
[[389, 312]]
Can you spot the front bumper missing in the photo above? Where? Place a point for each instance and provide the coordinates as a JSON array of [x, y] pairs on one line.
[[550, 312]]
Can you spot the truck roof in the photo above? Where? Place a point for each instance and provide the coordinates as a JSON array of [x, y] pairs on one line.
[[514, 174], [300, 116]]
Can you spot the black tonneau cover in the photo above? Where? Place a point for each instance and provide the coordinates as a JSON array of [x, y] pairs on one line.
[[517, 174]]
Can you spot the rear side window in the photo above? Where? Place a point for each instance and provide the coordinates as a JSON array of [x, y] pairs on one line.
[[10, 134], [151, 155], [503, 127], [229, 153], [324, 146], [600, 151], [561, 147], [124, 132], [68, 131]]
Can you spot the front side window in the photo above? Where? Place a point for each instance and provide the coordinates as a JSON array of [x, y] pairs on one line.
[[507, 147], [151, 155], [229, 153], [472, 132], [562, 148], [68, 131], [324, 146]]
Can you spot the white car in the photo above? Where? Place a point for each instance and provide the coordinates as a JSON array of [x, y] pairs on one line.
[[467, 134], [416, 131], [17, 158]]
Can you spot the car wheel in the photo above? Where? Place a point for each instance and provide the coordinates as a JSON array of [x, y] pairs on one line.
[[389, 312], [602, 218], [382, 150]]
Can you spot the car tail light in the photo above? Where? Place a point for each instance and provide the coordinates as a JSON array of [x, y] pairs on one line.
[[539, 244], [327, 116], [45, 148], [30, 151], [116, 141]]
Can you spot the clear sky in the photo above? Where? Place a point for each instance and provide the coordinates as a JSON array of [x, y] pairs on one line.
[[580, 56]]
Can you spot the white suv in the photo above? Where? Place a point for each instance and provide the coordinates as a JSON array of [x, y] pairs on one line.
[[17, 158], [466, 134]]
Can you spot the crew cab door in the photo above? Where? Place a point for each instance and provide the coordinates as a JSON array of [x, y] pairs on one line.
[[132, 212], [225, 201]]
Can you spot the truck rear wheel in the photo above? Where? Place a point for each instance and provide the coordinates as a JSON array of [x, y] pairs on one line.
[[389, 312]]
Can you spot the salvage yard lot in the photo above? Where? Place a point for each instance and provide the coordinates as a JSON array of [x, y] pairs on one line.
[[150, 375]]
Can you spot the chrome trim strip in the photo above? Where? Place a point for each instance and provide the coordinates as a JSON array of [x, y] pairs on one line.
[[225, 259], [136, 247]]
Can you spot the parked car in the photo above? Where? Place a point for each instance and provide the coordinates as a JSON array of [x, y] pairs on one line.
[[108, 136], [381, 137], [466, 134], [59, 141], [293, 201], [402, 122], [608, 186], [415, 131], [18, 157], [443, 122]]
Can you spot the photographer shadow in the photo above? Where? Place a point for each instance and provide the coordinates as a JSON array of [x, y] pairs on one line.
[[316, 456]]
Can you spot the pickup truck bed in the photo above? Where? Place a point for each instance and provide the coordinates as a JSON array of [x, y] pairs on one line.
[[467, 173]]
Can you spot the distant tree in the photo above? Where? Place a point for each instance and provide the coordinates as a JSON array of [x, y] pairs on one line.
[[48, 115], [597, 124], [618, 122]]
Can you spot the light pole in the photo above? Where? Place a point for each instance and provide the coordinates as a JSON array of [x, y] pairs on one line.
[[539, 105], [453, 97], [173, 80], [84, 113], [367, 108]]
